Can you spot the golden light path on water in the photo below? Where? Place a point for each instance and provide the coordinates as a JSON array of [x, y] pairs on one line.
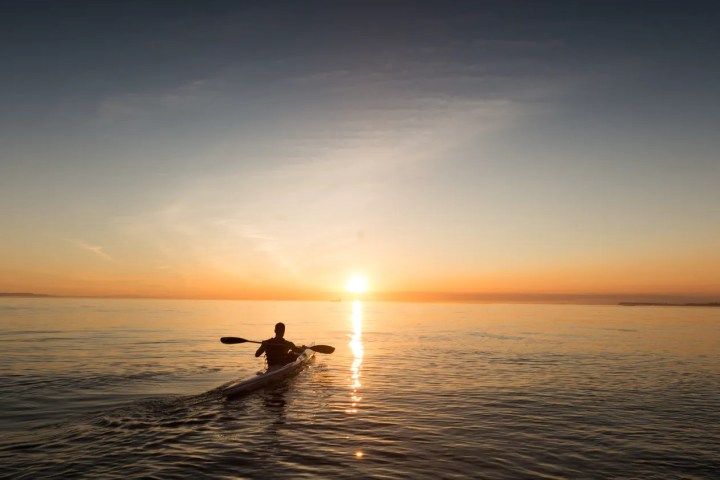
[[356, 347]]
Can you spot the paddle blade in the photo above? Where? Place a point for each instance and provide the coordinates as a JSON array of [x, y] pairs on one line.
[[322, 349], [232, 340]]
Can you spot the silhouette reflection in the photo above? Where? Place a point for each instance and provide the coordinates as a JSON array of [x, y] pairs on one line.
[[274, 403]]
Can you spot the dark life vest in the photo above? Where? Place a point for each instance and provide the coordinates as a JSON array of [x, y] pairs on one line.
[[276, 351]]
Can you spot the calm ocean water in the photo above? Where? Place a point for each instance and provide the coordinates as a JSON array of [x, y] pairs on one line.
[[129, 388]]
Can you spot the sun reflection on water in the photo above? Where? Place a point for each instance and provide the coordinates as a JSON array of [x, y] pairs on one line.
[[357, 349]]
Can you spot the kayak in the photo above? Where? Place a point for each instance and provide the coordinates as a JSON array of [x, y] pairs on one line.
[[271, 376]]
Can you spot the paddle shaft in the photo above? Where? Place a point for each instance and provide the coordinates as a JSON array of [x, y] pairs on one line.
[[315, 348]]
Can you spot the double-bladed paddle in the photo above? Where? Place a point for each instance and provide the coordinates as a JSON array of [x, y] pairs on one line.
[[315, 348]]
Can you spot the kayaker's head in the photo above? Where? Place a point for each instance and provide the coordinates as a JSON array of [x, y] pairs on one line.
[[279, 330]]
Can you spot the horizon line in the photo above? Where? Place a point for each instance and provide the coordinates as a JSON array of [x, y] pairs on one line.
[[419, 297]]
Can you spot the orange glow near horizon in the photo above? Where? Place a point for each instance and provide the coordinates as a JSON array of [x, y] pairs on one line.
[[691, 275], [511, 286]]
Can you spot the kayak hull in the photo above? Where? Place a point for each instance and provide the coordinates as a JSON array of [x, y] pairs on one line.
[[271, 376]]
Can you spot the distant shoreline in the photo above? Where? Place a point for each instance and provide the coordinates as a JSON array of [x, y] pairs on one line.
[[654, 304], [25, 295]]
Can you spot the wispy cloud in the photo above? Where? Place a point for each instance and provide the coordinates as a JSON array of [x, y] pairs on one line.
[[94, 249]]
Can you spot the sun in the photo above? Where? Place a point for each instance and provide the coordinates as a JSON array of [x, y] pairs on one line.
[[357, 284]]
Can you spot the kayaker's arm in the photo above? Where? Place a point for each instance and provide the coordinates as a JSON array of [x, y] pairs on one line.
[[260, 350], [297, 349]]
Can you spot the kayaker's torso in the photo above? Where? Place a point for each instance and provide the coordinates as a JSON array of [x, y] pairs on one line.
[[277, 350]]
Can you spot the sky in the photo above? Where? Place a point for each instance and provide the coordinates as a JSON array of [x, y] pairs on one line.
[[445, 150]]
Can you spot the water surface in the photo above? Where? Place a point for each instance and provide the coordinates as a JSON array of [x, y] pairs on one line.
[[129, 388]]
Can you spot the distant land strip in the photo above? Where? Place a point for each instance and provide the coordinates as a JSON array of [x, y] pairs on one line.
[[652, 304], [24, 295]]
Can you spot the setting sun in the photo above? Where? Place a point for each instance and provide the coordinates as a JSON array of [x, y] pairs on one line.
[[357, 284]]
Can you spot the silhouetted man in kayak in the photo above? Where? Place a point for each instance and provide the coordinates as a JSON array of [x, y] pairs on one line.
[[278, 350]]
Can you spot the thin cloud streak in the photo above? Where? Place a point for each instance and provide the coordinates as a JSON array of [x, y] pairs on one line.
[[95, 249]]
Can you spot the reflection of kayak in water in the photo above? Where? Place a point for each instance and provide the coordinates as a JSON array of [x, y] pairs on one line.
[[271, 376]]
